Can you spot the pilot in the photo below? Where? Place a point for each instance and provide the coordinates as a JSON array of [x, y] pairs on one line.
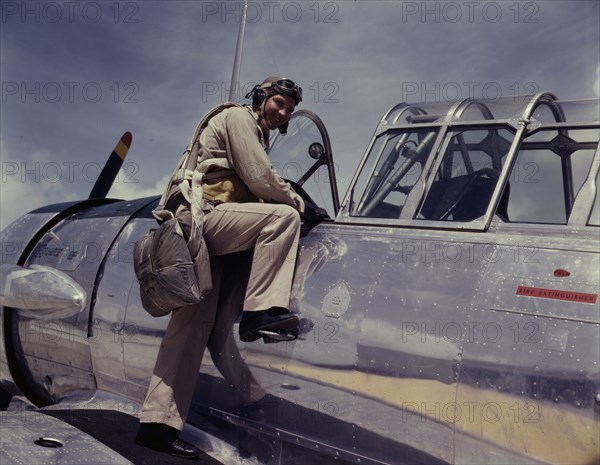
[[250, 208]]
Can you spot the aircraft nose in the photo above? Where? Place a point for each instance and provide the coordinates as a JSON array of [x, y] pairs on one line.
[[40, 291]]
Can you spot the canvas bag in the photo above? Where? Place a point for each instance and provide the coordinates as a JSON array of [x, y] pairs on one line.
[[174, 271], [165, 270]]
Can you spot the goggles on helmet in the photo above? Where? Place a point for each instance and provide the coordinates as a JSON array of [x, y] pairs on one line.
[[286, 87]]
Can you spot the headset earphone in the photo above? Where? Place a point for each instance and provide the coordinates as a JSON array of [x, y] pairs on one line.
[[259, 95]]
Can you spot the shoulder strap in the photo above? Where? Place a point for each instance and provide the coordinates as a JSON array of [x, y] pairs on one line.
[[192, 161], [187, 163]]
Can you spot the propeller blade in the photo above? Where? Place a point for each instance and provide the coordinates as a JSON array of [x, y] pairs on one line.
[[111, 168]]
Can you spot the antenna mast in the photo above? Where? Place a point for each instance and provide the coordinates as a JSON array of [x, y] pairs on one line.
[[235, 75]]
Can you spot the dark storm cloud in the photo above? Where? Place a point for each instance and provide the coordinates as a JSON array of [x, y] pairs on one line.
[[71, 86]]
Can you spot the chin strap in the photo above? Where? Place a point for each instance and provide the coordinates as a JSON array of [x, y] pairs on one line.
[[283, 128]]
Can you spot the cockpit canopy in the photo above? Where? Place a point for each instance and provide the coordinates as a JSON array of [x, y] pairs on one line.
[[463, 164]]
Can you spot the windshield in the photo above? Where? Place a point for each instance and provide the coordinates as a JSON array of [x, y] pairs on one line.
[[467, 175], [394, 167], [303, 156]]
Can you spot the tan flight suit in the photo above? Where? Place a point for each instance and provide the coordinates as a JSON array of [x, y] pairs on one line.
[[241, 222]]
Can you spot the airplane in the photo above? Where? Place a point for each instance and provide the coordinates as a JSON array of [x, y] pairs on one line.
[[452, 297]]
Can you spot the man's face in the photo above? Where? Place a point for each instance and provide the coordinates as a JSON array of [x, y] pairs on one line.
[[278, 110]]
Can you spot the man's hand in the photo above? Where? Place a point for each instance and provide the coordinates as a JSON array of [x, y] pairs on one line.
[[313, 215]]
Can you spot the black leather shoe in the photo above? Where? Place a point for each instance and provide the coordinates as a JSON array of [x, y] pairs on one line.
[[272, 337], [261, 410], [304, 326], [254, 412], [274, 320], [163, 438]]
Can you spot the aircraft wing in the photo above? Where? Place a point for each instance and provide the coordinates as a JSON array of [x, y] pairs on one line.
[[79, 433]]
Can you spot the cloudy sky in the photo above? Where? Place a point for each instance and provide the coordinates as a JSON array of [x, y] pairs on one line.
[[76, 75]]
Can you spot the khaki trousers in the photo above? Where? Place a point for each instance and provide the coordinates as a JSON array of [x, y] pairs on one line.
[[273, 231]]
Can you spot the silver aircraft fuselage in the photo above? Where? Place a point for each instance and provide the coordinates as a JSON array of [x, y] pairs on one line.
[[453, 295]]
